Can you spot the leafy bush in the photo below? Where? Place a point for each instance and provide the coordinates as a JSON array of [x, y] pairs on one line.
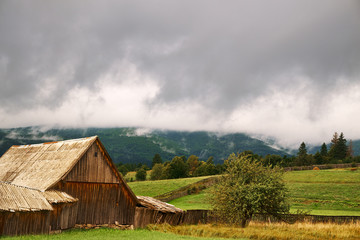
[[141, 174], [157, 172], [246, 188]]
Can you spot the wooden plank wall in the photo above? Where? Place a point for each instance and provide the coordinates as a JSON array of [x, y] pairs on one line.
[[101, 203], [92, 167], [146, 216], [63, 216], [21, 223]]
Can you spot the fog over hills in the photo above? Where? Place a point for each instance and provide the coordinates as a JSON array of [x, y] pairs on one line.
[[135, 145]]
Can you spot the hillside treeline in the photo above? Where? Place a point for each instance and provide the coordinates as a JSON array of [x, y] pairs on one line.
[[178, 167], [339, 151]]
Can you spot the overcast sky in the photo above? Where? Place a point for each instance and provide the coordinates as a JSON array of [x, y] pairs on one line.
[[285, 69]]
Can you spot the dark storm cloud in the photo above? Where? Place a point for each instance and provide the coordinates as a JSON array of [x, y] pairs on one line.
[[221, 54], [225, 45]]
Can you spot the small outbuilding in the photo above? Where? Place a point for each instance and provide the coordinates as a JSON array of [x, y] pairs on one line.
[[154, 211], [58, 184]]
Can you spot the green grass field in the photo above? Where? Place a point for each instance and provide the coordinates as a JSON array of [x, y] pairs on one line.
[[109, 234], [154, 188], [337, 176], [326, 192]]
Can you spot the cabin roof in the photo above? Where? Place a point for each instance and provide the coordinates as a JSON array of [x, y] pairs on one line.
[[156, 204], [55, 196], [15, 198], [40, 166]]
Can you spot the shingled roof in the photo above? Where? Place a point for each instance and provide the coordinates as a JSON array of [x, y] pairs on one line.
[[16, 198], [153, 203], [40, 166]]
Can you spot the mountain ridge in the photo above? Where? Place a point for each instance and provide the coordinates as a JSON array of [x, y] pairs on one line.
[[138, 145]]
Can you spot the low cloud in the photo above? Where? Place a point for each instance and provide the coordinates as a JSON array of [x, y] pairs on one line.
[[285, 69]]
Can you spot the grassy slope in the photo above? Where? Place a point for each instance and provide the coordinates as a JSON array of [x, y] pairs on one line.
[[154, 188], [190, 202], [108, 234], [325, 192]]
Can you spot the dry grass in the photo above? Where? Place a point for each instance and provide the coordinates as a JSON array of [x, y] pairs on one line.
[[268, 231]]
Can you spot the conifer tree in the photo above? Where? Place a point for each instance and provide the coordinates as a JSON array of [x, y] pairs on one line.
[[338, 150], [324, 150], [156, 159], [302, 150], [302, 156], [335, 139], [341, 148]]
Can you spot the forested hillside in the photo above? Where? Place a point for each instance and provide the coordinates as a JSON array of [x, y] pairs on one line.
[[135, 145]]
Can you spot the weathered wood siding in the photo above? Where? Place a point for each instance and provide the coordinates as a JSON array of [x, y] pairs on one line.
[[63, 216], [146, 216], [103, 197], [21, 223], [101, 203], [92, 167]]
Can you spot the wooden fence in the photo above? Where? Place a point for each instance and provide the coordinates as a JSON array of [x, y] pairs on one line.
[[144, 217], [323, 166]]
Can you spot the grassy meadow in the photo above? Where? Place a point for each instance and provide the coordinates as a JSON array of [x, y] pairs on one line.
[[109, 234], [255, 230], [267, 231], [324, 192]]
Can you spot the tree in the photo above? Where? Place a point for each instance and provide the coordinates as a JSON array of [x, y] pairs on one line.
[[324, 150], [156, 159], [303, 159], [338, 149], [178, 168], [273, 160], [318, 158], [210, 160], [157, 171], [334, 139], [341, 147], [123, 170], [201, 170], [193, 163], [246, 188], [141, 174], [302, 150]]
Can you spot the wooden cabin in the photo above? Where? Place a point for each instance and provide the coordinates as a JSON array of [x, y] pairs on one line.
[[76, 177]]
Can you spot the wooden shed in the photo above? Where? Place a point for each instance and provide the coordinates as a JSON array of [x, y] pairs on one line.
[[78, 179], [154, 211]]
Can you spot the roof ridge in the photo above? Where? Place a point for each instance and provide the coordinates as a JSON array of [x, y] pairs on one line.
[[66, 140]]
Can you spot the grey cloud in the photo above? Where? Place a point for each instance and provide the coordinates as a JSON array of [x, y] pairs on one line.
[[224, 53]]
